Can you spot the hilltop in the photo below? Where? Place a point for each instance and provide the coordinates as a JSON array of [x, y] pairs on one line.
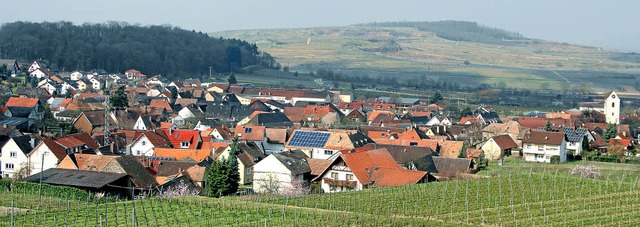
[[463, 52]]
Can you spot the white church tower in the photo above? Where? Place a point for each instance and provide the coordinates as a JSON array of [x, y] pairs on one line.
[[612, 107]]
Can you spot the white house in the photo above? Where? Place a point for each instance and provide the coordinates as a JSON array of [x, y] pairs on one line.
[[143, 123], [575, 139], [76, 76], [35, 65], [277, 171], [540, 146], [187, 112], [145, 144], [39, 73], [49, 151], [438, 120], [97, 84], [13, 157]]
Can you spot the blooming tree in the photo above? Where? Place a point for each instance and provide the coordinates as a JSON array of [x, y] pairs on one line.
[[586, 171], [298, 188], [180, 189]]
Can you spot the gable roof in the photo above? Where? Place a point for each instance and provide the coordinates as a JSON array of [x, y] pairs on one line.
[[22, 102], [295, 161], [451, 166], [404, 155], [450, 149], [55, 148], [504, 142], [181, 154], [24, 143], [318, 166], [363, 163], [276, 135], [543, 137]]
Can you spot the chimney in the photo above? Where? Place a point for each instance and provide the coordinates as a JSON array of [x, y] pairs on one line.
[[32, 142]]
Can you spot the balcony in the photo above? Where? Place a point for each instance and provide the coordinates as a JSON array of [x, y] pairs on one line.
[[344, 183]]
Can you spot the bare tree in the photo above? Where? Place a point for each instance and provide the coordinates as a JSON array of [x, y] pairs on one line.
[[270, 184]]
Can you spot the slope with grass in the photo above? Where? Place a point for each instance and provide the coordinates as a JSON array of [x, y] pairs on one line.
[[464, 56]]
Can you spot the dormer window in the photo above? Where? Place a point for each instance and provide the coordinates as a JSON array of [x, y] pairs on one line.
[[184, 144], [248, 130]]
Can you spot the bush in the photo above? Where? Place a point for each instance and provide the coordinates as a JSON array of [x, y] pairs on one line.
[[555, 159]]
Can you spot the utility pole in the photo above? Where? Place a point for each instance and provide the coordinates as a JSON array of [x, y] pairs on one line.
[[40, 187], [210, 70]]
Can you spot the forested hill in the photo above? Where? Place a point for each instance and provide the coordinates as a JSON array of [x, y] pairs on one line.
[[116, 47], [459, 31]]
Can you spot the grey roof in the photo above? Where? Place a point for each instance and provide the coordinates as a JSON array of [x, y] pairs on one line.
[[401, 100], [575, 135], [170, 168], [271, 120], [405, 155], [24, 143], [452, 166], [139, 175], [426, 163], [295, 161], [490, 117], [77, 178], [13, 121]]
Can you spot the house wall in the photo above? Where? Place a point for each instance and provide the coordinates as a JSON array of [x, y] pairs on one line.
[[542, 153], [491, 150], [142, 147], [18, 161], [139, 125], [270, 169], [244, 177], [186, 113], [36, 157], [319, 153], [83, 124], [342, 175]]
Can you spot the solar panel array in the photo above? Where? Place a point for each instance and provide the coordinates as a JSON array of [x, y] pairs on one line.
[[575, 135], [309, 139]]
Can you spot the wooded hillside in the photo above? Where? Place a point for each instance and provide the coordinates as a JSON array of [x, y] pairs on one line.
[[116, 47]]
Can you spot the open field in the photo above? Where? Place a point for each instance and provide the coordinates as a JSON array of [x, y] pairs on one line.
[[518, 193], [357, 50]]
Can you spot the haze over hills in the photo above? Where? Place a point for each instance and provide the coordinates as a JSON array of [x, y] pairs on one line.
[[464, 52]]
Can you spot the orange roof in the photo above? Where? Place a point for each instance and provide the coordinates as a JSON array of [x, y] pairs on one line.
[[350, 105], [450, 149], [621, 142], [22, 102], [472, 120], [160, 103], [317, 110], [166, 125], [251, 133], [132, 71], [558, 115], [374, 114], [69, 142], [379, 166], [195, 154], [384, 106], [420, 114]]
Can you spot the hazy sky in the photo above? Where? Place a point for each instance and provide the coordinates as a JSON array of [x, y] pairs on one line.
[[608, 23]]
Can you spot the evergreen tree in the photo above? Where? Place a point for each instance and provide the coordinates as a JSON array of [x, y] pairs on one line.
[[466, 112], [119, 99], [610, 132], [437, 97], [232, 79], [223, 177], [585, 144], [547, 127]]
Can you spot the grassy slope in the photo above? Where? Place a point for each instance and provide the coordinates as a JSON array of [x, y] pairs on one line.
[[520, 65], [518, 193]]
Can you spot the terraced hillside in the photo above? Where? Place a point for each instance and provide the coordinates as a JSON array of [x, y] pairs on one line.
[[409, 52]]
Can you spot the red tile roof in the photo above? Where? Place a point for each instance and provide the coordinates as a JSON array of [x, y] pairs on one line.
[[161, 104], [250, 133], [350, 105], [69, 142], [379, 166], [55, 148], [195, 154], [621, 142], [178, 136], [22, 102]]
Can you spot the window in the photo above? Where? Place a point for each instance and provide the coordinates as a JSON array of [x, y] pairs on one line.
[[541, 148], [8, 165], [144, 143], [13, 154], [184, 144], [248, 130], [328, 152], [137, 152], [539, 156], [613, 104], [248, 171], [349, 176], [413, 144], [528, 146], [334, 175]]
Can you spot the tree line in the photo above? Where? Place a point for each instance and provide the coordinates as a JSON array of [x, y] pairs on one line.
[[118, 46]]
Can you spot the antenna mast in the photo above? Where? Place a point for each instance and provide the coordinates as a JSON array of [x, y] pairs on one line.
[[107, 133]]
